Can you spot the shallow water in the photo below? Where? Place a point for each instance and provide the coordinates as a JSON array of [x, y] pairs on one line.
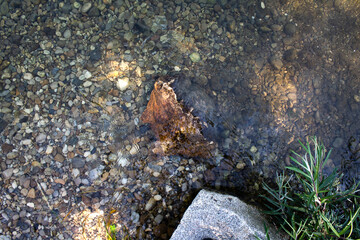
[[261, 75]]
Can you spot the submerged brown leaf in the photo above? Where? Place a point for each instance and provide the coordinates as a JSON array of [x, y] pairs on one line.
[[178, 131]]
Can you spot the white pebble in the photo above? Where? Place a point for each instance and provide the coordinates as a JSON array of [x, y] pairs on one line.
[[157, 197], [87, 74], [75, 172], [87, 84], [122, 83], [26, 142], [30, 204], [49, 149]]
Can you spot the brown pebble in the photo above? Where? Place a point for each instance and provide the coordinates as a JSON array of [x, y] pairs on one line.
[[138, 196], [6, 148], [59, 158], [70, 154], [59, 180], [31, 193]]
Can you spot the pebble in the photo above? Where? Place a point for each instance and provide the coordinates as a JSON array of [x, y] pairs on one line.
[[78, 162], [87, 74], [87, 84], [157, 197], [30, 204], [195, 57], [49, 149], [28, 76], [338, 142], [158, 219], [67, 33], [290, 29], [59, 158], [86, 7], [31, 193], [41, 138], [276, 62], [26, 142], [7, 173], [122, 83], [75, 172], [150, 204]]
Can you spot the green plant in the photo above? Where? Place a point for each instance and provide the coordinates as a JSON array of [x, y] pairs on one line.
[[311, 206]]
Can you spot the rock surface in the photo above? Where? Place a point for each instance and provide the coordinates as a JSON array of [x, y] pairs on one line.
[[216, 216]]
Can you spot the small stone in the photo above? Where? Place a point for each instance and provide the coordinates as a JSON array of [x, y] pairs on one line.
[[6, 148], [240, 165], [8, 173], [157, 197], [78, 162], [75, 172], [41, 138], [67, 33], [26, 142], [134, 217], [253, 149], [94, 174], [338, 142], [158, 219], [31, 193], [150, 204], [60, 181], [357, 98], [87, 84], [276, 62], [87, 74], [290, 29], [195, 57], [122, 83], [49, 149], [59, 158], [30, 204], [76, 5], [128, 36], [35, 164], [292, 96], [28, 76], [24, 192], [86, 7]]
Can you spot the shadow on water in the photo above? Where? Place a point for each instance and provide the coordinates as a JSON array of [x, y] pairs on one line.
[[283, 87]]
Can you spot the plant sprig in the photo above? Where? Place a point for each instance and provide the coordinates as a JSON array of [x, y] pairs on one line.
[[317, 209]]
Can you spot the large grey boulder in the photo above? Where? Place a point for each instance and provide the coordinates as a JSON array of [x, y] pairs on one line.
[[222, 217]]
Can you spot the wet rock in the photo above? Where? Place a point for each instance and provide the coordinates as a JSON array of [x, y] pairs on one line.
[[290, 55], [94, 12], [86, 7], [3, 124], [276, 62], [7, 173], [95, 55], [290, 29], [41, 138], [4, 8], [178, 131], [338, 142], [78, 162], [6, 148], [195, 57], [67, 33], [150, 204], [59, 158]]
